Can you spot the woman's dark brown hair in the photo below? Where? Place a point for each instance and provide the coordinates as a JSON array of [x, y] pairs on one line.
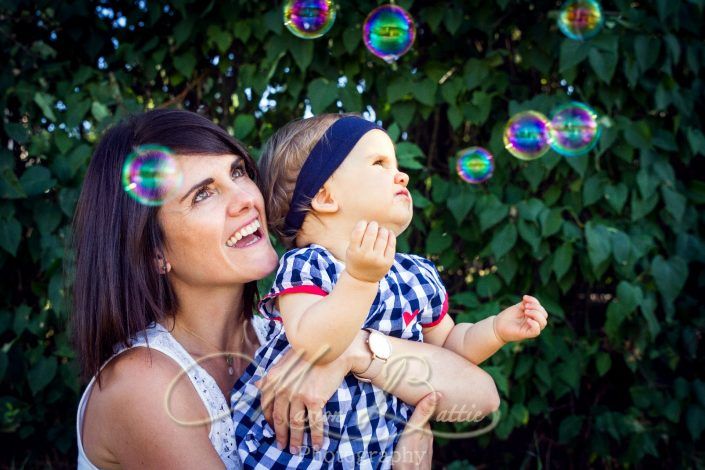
[[117, 289]]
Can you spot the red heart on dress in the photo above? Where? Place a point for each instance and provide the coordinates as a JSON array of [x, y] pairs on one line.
[[408, 316]]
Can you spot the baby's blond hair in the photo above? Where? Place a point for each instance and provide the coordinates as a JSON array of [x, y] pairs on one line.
[[281, 161]]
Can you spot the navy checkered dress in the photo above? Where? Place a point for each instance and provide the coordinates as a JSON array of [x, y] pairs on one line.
[[363, 423]]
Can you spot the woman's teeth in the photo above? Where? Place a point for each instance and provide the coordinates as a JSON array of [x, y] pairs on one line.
[[242, 233]]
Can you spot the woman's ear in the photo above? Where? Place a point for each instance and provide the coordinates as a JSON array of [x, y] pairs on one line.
[[324, 202], [163, 266]]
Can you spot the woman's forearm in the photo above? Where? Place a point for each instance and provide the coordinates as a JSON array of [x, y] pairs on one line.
[[414, 369]]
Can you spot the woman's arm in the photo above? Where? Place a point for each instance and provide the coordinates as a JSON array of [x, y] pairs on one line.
[[294, 390], [145, 420], [415, 369]]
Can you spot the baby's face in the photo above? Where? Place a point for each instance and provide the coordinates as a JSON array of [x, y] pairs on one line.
[[369, 186]]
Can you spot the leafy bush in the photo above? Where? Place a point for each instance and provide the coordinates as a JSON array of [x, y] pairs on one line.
[[611, 242]]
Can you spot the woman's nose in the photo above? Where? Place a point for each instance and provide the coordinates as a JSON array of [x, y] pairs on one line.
[[241, 201], [401, 178]]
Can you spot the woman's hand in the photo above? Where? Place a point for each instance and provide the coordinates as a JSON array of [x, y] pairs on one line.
[[415, 447], [293, 391]]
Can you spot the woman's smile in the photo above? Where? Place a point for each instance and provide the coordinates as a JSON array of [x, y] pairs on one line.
[[248, 235]]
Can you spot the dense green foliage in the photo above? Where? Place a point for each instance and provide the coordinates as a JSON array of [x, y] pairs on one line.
[[611, 243]]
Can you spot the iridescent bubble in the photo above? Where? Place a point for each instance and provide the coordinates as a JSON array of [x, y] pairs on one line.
[[150, 175], [389, 32], [309, 19], [475, 165], [527, 135], [581, 19], [574, 129]]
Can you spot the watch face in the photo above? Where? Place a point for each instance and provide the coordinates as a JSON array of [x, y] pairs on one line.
[[379, 344]]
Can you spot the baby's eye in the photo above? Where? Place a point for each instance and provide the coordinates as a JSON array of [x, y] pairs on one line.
[[379, 162]]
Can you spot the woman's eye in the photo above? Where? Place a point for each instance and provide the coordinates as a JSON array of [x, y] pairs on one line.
[[200, 195], [239, 172]]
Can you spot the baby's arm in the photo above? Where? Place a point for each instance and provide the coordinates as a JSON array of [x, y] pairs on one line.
[[322, 328], [474, 341], [478, 341]]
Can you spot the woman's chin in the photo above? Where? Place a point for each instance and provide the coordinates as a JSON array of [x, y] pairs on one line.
[[255, 261]]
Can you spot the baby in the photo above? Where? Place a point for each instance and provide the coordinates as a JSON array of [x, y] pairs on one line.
[[336, 197]]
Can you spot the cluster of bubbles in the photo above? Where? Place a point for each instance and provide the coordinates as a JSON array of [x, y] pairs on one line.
[[581, 19], [309, 19], [388, 32], [572, 131], [150, 175], [475, 165]]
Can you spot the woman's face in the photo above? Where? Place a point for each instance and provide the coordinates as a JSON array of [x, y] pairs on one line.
[[215, 227]]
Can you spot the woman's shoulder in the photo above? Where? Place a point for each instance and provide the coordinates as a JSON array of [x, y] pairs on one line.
[[139, 377], [139, 396]]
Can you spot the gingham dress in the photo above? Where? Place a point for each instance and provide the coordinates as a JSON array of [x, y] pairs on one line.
[[362, 422]]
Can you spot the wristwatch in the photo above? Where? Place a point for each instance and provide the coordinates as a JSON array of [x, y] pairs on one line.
[[380, 349]]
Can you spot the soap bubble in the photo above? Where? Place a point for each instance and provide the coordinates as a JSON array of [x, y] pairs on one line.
[[581, 19], [527, 135], [389, 32], [309, 19], [574, 129], [475, 165], [150, 175]]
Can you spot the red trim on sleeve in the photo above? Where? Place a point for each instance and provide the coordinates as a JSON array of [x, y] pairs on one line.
[[306, 289], [444, 310]]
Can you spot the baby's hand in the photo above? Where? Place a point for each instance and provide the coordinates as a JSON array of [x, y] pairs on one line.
[[521, 321], [371, 252]]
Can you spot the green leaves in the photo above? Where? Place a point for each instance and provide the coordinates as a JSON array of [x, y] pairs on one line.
[[184, 63], [598, 244], [603, 63], [562, 260], [504, 240], [41, 374], [646, 49], [45, 103], [36, 180], [219, 37], [99, 111], [572, 53], [302, 51], [244, 125], [322, 93], [10, 233], [669, 275], [409, 156]]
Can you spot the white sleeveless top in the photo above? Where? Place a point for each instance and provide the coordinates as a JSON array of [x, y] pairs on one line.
[[221, 434]]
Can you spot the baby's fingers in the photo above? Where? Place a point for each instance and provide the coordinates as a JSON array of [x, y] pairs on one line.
[[381, 242], [391, 248], [357, 234], [368, 240], [538, 317]]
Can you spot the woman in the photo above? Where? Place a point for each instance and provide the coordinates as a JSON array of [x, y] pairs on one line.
[[163, 313]]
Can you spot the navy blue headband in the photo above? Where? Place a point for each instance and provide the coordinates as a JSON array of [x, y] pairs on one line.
[[326, 156]]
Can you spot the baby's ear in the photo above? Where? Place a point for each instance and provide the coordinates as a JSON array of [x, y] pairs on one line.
[[324, 202]]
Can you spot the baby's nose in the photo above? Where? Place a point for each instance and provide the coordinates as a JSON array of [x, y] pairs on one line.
[[401, 178]]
